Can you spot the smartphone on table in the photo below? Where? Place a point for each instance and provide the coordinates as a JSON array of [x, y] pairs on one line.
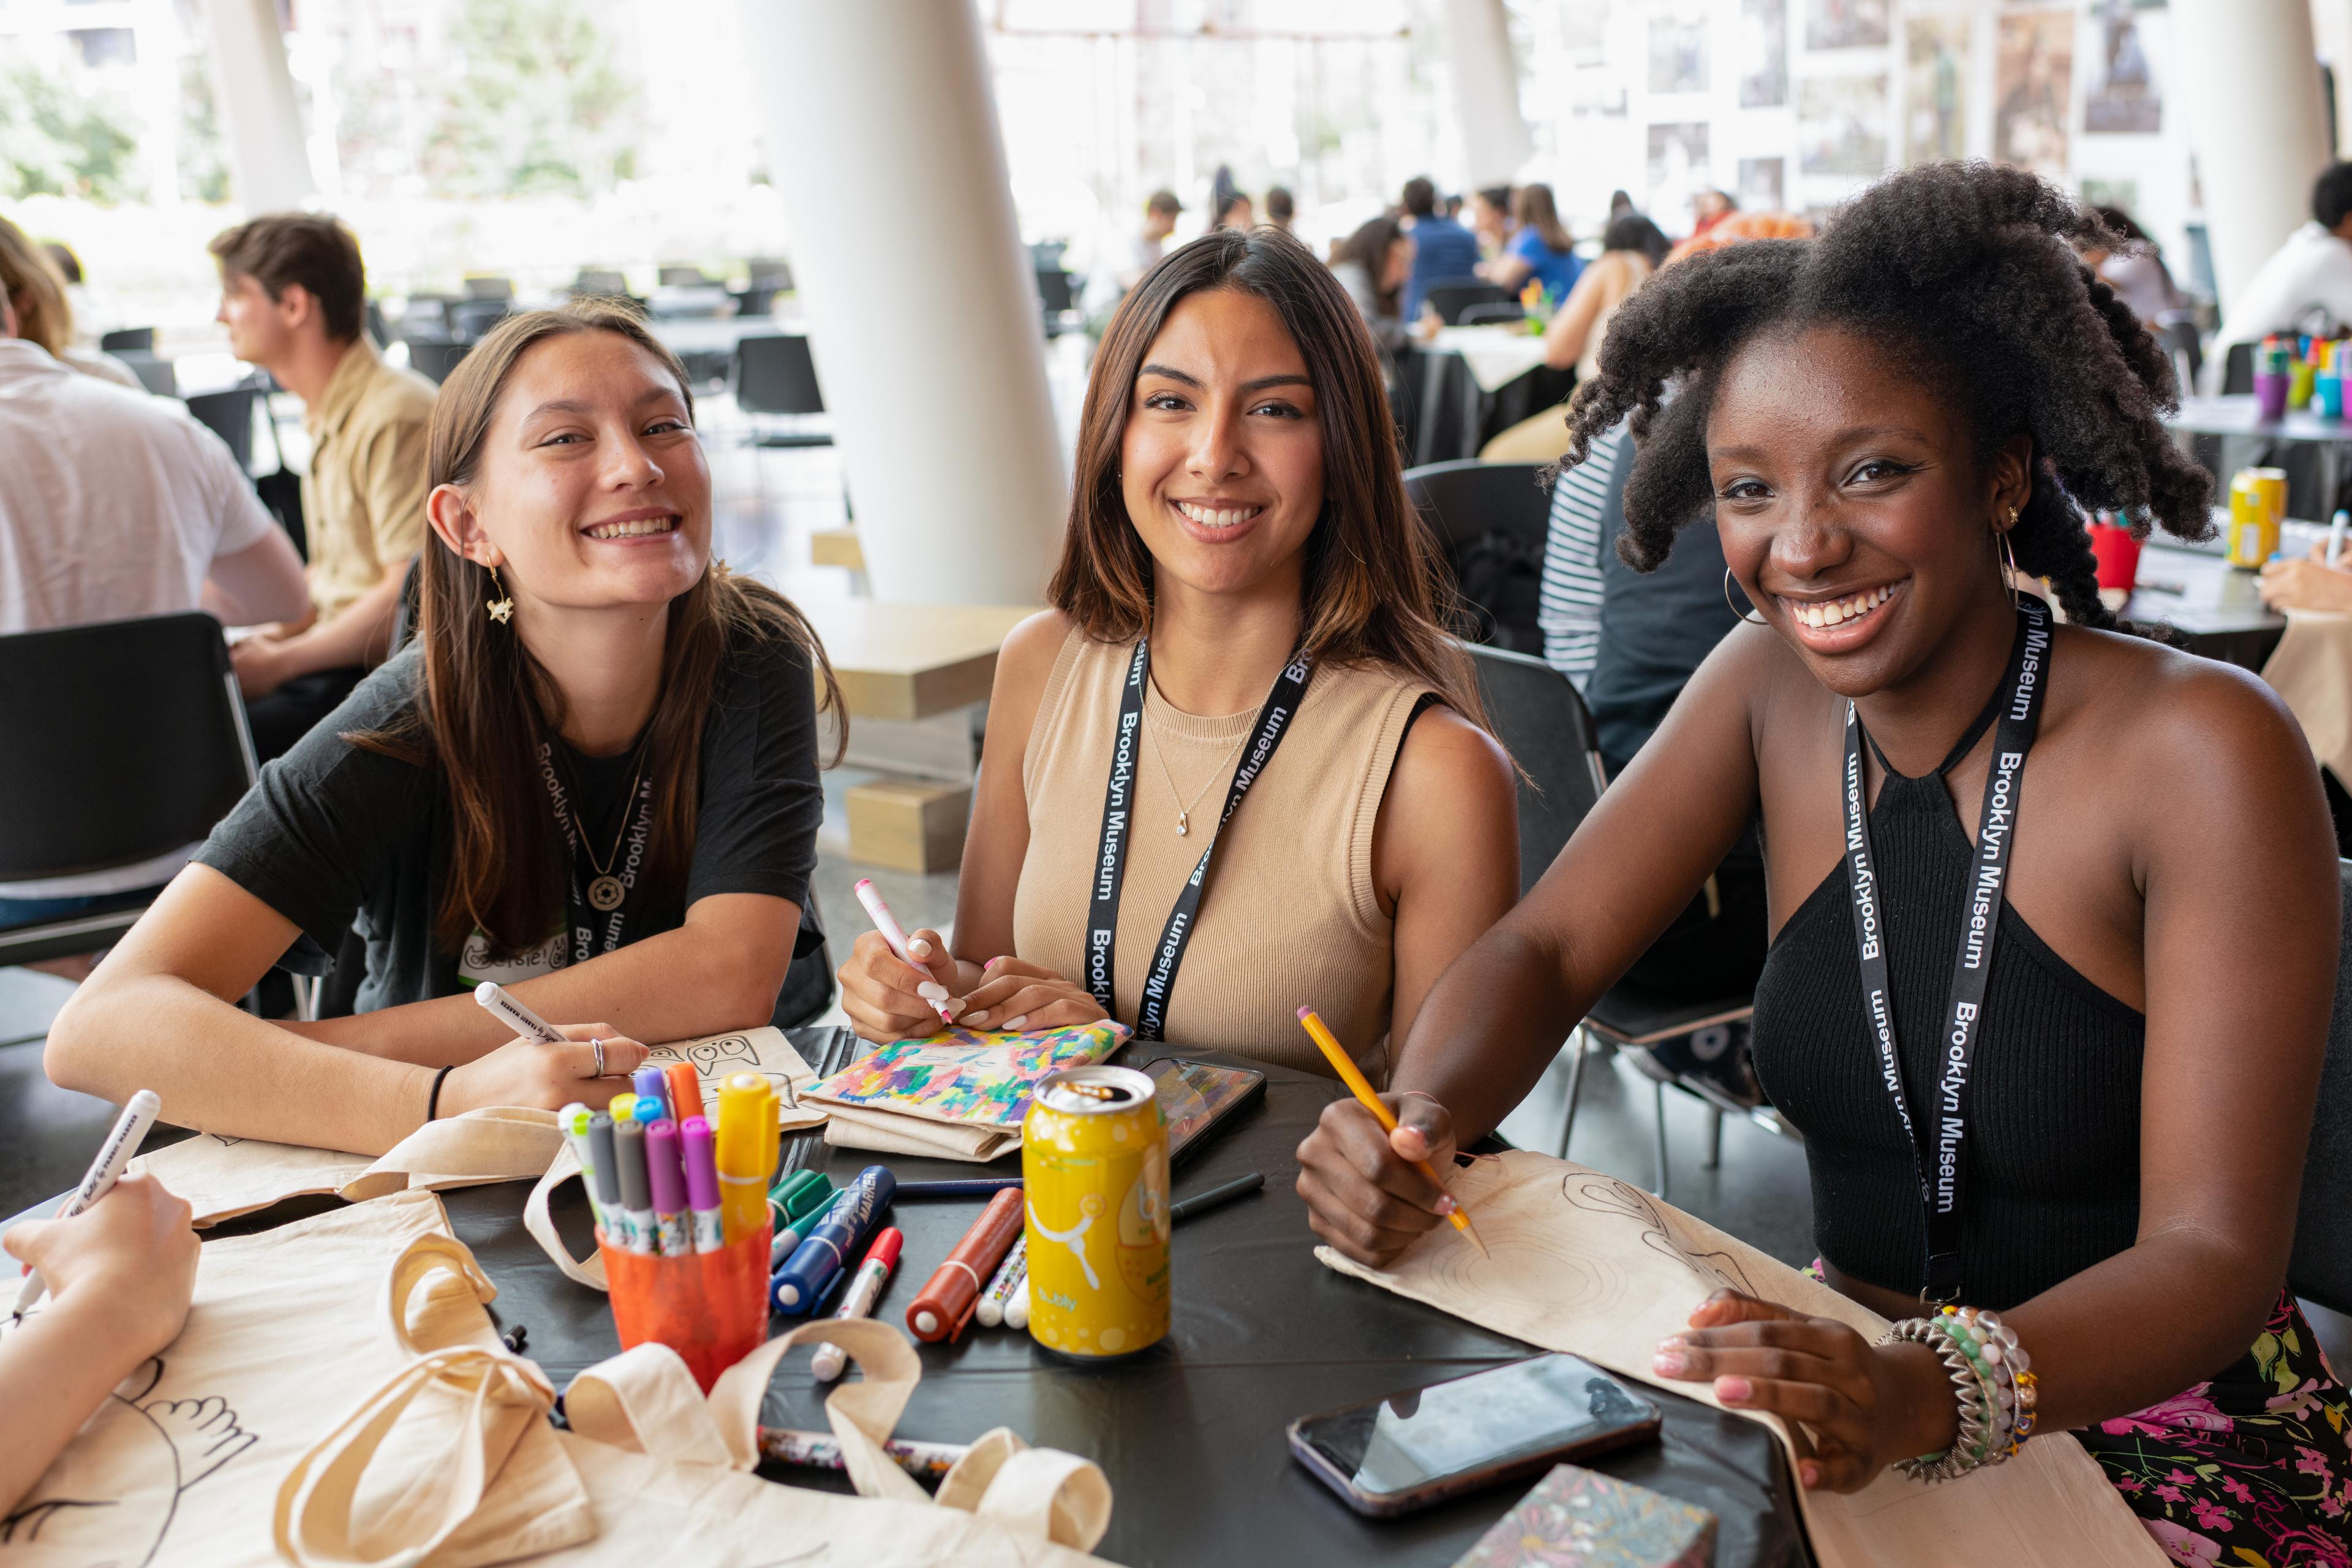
[[1197, 1099], [1392, 1455]]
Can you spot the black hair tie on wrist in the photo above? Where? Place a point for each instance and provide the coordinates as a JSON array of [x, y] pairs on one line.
[[433, 1100]]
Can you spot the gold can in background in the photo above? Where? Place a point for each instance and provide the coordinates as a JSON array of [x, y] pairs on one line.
[[2257, 505], [1094, 1167]]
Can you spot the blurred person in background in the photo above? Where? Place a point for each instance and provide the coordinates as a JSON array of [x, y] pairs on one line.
[[1281, 208], [1443, 248], [1235, 210], [293, 291], [1490, 219], [37, 294], [1373, 265], [1620, 205], [1624, 263], [1539, 247], [2136, 270], [1709, 208], [1160, 210], [2307, 281]]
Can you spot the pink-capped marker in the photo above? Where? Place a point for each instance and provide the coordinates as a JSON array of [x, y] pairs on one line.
[[858, 1302], [893, 933]]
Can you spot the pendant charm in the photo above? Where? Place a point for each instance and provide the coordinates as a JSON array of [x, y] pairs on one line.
[[1184, 823], [500, 609], [605, 893]]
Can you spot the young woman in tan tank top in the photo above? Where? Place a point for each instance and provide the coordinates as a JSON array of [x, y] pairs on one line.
[[1238, 507]]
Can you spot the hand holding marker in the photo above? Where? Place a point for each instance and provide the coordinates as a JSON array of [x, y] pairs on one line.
[[123, 1142], [893, 933]]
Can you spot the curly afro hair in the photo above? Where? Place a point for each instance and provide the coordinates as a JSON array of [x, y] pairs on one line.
[[1964, 269]]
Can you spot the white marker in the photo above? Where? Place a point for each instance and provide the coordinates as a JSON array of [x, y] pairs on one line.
[[525, 1023], [864, 1291], [130, 1128], [1016, 1307], [1008, 1275], [2335, 537], [886, 922]]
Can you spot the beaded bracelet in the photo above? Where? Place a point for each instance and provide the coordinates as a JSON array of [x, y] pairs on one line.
[[1994, 1384]]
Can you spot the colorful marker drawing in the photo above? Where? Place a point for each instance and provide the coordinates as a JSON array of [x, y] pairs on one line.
[[968, 1075]]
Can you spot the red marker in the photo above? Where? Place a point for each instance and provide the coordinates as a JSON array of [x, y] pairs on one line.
[[873, 1273]]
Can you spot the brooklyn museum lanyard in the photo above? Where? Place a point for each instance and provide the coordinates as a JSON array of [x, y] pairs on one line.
[[1119, 814], [595, 921], [1942, 1173]]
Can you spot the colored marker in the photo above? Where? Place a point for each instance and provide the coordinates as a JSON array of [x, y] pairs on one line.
[[1215, 1197], [636, 1192], [122, 1140], [1352, 1075], [701, 1185], [666, 1178], [1000, 1285], [624, 1108], [573, 1121], [822, 1451], [895, 934], [788, 1238], [1016, 1307], [805, 1276], [950, 1296], [650, 1081], [525, 1023], [963, 1187], [648, 1109], [684, 1092], [605, 1170], [744, 1164], [864, 1291]]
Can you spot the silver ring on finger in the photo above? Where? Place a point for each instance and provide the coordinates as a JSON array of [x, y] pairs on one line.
[[598, 1047]]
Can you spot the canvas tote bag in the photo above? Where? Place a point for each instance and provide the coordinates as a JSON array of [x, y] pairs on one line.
[[180, 1465], [441, 1447], [1585, 1263], [2312, 669]]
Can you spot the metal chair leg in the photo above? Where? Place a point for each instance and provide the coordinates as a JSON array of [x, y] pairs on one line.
[[308, 989], [1713, 1137], [1660, 1091], [1576, 1045]]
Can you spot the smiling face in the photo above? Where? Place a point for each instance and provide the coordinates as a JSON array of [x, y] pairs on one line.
[[590, 491], [262, 330], [1852, 507], [1222, 461]]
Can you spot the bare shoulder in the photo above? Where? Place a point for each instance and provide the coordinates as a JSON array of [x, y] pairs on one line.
[[2198, 720], [1026, 661], [1446, 757]]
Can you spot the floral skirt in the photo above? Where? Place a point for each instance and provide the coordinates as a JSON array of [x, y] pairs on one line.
[[2252, 1470]]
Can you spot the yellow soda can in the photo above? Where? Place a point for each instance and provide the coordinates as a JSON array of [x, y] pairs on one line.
[[2253, 525], [1094, 1167]]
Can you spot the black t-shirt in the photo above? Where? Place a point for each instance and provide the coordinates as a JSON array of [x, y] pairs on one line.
[[335, 837]]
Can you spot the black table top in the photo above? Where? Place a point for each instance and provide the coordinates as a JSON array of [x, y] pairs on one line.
[[1191, 1433]]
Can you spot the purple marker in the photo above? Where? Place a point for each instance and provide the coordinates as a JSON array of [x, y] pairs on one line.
[[649, 1083], [664, 1175], [702, 1183]]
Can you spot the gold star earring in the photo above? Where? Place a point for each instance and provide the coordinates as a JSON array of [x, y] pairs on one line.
[[502, 607]]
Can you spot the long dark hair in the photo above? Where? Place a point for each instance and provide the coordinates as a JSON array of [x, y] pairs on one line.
[[1369, 249], [485, 703], [1532, 207], [1374, 583]]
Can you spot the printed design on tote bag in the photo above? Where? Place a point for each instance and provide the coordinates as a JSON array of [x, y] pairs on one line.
[[180, 1443]]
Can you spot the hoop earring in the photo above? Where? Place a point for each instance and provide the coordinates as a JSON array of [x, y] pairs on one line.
[[1752, 620], [2008, 556], [502, 608]]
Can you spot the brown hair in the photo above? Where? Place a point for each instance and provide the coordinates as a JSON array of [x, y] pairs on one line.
[[35, 290], [1374, 582], [486, 703], [317, 252], [1532, 207]]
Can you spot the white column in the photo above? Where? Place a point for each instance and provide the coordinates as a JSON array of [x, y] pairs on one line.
[[883, 143], [2250, 78], [1495, 139], [268, 149]]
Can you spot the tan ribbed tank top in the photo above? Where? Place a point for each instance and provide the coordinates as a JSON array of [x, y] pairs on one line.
[[1289, 917]]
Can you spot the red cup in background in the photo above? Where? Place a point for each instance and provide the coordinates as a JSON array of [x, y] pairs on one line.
[[2117, 553]]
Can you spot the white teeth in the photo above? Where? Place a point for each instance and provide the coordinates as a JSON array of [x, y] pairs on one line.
[[634, 530], [1837, 611], [1217, 517]]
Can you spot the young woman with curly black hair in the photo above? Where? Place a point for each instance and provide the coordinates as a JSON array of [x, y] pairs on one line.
[[1874, 422]]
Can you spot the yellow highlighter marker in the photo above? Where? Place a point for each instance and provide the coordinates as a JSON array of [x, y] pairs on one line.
[[743, 1122], [1345, 1065]]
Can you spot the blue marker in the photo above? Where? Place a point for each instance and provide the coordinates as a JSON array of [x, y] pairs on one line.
[[788, 1237], [846, 1227]]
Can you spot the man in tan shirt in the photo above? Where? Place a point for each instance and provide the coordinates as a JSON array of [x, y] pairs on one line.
[[293, 294]]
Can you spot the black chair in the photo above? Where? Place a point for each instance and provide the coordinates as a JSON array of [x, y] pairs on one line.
[[2238, 370], [2320, 1269], [770, 272], [1056, 295], [1542, 720], [600, 282], [1449, 297], [434, 358], [774, 375], [487, 286], [471, 319], [1507, 312], [379, 331], [685, 277], [228, 414], [2179, 339], [1491, 519], [428, 316], [130, 340], [759, 299], [139, 790], [155, 374]]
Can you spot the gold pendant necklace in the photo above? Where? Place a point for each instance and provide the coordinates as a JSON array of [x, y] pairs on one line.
[[606, 890], [1184, 811]]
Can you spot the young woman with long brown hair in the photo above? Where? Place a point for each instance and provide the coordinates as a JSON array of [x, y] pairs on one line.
[[1238, 766], [593, 780]]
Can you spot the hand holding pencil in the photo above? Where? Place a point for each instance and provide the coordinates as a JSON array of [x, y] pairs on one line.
[[1368, 1199]]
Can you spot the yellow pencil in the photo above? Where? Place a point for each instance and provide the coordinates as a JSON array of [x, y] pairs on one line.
[[1345, 1065]]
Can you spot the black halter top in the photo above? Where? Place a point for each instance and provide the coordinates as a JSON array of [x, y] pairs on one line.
[[2053, 1129]]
